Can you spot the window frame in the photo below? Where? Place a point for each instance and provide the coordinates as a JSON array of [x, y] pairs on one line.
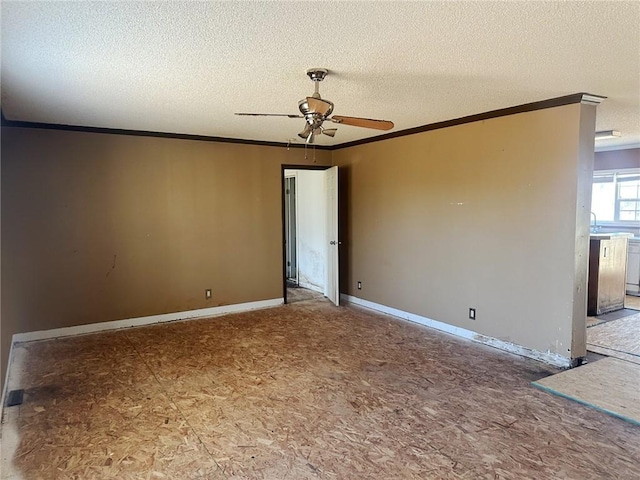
[[616, 184]]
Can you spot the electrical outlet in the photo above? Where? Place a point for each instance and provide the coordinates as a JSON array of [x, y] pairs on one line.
[[359, 285], [472, 313], [207, 293]]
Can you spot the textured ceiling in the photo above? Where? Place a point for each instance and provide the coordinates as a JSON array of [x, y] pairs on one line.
[[186, 67]]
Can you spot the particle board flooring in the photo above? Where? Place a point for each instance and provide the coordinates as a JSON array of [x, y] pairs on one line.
[[617, 338], [303, 391], [632, 302], [610, 385], [631, 307]]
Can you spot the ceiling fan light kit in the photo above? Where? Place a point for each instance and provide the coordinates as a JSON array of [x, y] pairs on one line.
[[315, 110]]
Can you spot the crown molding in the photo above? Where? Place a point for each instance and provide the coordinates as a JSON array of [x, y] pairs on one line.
[[145, 133], [527, 107], [582, 98]]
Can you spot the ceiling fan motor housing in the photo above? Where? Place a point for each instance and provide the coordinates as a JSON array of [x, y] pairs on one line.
[[315, 110]]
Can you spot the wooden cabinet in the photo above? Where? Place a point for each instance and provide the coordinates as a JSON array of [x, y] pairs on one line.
[[607, 273]]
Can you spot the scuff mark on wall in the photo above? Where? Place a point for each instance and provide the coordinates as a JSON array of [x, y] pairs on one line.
[[113, 265]]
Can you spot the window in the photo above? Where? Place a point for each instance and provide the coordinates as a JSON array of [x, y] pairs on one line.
[[616, 196]]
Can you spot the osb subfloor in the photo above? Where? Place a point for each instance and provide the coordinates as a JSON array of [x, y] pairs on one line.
[[303, 391], [631, 307], [632, 302], [610, 385], [617, 338]]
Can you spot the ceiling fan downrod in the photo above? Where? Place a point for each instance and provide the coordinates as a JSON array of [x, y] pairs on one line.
[[317, 75]]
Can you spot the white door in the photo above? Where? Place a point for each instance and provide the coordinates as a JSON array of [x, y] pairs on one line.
[[332, 289]]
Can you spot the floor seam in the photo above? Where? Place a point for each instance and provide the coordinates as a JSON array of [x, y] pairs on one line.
[[175, 405]]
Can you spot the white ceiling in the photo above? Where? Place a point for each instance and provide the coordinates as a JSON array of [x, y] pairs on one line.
[[186, 67]]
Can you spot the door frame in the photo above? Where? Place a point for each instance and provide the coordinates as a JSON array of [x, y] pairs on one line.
[[287, 234], [282, 202]]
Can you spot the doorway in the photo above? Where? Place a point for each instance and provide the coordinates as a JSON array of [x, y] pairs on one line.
[[310, 231], [613, 324], [290, 228]]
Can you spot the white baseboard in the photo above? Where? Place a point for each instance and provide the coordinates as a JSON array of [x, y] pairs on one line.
[[6, 379], [547, 357], [140, 321]]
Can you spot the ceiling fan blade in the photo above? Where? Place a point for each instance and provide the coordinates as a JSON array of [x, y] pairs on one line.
[[269, 115], [329, 131], [363, 122]]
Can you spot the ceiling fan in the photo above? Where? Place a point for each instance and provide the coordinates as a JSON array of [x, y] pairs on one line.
[[316, 110]]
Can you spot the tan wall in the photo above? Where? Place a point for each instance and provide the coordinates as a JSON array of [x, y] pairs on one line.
[[102, 227], [489, 215], [479, 215]]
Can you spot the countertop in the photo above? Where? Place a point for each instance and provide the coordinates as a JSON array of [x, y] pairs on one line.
[[610, 235]]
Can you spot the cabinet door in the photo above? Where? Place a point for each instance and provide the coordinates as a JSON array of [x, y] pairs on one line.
[[612, 278]]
